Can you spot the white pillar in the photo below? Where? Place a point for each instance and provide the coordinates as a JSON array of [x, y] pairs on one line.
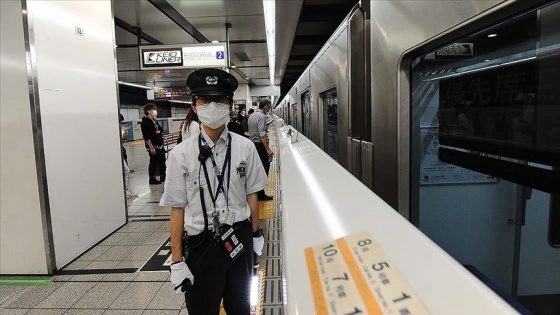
[[72, 187]]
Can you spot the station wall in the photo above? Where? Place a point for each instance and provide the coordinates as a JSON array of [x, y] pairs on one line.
[[74, 59], [22, 247]]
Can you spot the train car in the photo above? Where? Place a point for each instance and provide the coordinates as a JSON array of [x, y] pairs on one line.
[[450, 112]]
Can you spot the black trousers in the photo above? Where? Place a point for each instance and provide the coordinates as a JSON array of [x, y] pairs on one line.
[[157, 160], [217, 277], [263, 155]]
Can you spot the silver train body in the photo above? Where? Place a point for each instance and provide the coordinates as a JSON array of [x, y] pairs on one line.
[[365, 68]]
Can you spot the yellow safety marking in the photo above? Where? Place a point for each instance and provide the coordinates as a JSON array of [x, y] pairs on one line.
[[271, 188], [262, 275], [361, 283], [316, 286], [267, 209]]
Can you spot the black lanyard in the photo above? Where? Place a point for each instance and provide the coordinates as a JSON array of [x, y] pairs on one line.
[[220, 176]]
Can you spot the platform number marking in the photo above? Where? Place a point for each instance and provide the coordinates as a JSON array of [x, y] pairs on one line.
[[353, 275], [220, 55]]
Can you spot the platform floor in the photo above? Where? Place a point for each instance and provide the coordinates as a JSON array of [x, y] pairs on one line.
[[107, 280]]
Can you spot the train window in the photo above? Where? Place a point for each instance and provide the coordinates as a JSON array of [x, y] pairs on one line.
[[330, 109], [485, 152], [306, 114]]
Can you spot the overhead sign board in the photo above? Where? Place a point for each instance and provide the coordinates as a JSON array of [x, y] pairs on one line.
[[183, 56]]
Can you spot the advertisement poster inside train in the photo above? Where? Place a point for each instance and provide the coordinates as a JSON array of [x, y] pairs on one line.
[[433, 171]]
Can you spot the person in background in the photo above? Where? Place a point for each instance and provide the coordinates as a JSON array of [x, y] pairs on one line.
[[152, 133], [235, 126], [126, 169], [244, 123], [124, 132], [258, 134], [190, 126], [211, 187], [241, 116]]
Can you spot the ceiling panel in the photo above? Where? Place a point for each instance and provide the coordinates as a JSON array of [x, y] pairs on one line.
[[243, 28], [257, 72], [287, 16], [318, 19], [208, 8], [265, 81], [143, 14], [124, 37]]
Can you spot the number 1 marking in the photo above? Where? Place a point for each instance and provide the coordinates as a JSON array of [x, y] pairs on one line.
[[404, 297]]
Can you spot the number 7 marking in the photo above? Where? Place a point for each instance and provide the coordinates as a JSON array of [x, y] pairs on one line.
[[345, 277]]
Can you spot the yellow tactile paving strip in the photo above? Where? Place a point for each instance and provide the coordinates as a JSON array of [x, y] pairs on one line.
[[267, 209]]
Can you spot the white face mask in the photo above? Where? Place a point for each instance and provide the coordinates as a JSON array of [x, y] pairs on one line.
[[154, 112], [213, 115]]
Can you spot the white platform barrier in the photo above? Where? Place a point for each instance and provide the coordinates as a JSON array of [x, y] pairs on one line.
[[321, 202]]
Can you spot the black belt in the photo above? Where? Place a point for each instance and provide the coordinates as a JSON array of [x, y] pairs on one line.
[[236, 225], [223, 228]]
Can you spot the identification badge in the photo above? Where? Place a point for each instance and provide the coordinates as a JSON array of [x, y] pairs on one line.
[[242, 169], [234, 248], [230, 218]]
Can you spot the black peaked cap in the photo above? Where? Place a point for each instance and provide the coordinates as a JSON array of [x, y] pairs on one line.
[[211, 82]]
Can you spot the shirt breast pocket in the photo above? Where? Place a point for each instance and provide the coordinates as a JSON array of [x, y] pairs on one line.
[[193, 182]]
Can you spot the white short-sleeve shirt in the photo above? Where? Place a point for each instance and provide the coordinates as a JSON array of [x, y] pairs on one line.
[[185, 176]]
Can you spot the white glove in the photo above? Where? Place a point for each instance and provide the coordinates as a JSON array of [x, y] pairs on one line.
[[179, 273], [258, 244]]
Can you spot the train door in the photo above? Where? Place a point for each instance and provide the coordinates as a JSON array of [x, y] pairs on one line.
[[306, 114], [288, 115], [485, 152], [329, 102], [295, 116]]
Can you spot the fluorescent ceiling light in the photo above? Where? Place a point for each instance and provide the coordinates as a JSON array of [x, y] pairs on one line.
[[492, 35], [247, 79], [215, 41], [135, 85], [269, 7]]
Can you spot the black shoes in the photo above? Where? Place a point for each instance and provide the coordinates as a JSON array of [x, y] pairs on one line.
[[154, 181], [265, 198]]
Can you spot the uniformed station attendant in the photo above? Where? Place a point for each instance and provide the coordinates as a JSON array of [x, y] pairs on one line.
[[220, 214]]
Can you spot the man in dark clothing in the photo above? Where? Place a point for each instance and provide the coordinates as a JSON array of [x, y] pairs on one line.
[[235, 126], [152, 133]]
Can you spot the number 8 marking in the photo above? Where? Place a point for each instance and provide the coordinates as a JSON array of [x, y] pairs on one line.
[[364, 242]]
